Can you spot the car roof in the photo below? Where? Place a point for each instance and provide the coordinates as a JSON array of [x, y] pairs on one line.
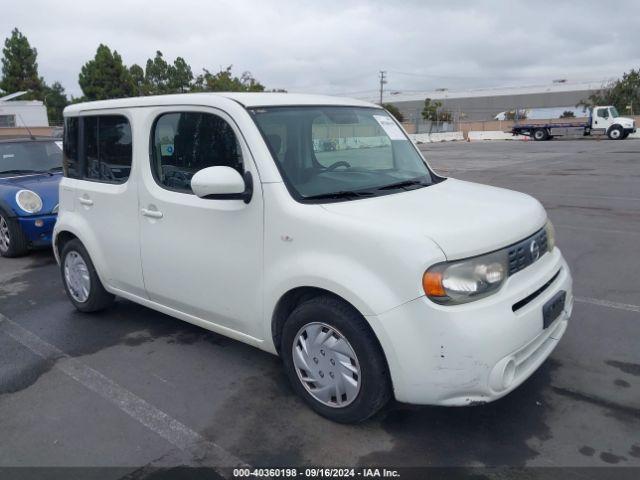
[[246, 99]]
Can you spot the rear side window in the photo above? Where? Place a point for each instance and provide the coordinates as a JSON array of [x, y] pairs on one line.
[[186, 142], [70, 159], [97, 148], [108, 152]]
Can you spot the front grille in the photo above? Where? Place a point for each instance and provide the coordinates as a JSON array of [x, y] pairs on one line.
[[524, 253]]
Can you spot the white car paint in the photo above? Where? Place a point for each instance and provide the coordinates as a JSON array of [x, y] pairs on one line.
[[163, 249]]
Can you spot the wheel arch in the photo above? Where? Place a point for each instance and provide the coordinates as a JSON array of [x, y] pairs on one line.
[[60, 240], [294, 297]]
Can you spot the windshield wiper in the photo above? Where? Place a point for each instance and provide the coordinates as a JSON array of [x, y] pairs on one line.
[[19, 171], [404, 184], [341, 194], [55, 169]]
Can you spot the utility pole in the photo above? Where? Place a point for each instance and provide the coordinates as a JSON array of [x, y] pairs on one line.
[[383, 80]]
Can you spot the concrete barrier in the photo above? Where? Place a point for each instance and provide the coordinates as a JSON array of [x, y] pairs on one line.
[[436, 137], [494, 135]]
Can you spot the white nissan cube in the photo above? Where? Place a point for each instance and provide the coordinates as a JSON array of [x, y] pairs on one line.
[[311, 227]]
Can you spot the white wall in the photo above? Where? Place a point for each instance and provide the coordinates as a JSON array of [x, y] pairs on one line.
[[33, 114]]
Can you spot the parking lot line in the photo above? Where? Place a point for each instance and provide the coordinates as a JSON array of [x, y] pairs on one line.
[[606, 303], [140, 410], [598, 229]]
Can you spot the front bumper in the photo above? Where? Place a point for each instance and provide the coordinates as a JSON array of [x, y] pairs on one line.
[[38, 235], [479, 351], [629, 130]]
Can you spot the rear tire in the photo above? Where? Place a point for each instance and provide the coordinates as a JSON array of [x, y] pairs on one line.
[[345, 373], [13, 242], [80, 279], [540, 134], [615, 133]]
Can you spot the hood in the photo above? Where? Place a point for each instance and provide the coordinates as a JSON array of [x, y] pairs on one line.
[[44, 185], [463, 218], [626, 122]]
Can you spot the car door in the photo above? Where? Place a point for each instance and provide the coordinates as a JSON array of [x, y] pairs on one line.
[[602, 119], [202, 257], [106, 198]]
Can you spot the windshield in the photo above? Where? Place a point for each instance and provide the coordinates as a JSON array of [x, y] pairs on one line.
[[614, 112], [340, 153], [29, 157]]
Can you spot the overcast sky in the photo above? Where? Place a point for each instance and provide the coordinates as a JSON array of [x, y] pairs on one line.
[[338, 47]]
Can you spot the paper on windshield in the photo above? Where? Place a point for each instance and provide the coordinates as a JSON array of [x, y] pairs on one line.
[[390, 127]]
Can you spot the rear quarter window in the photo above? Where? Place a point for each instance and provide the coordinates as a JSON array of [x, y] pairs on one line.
[[70, 158], [98, 148]]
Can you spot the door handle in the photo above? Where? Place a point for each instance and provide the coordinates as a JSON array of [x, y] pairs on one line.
[[151, 213], [85, 201]]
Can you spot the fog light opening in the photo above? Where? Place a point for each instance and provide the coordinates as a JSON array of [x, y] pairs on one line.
[[39, 223], [509, 373]]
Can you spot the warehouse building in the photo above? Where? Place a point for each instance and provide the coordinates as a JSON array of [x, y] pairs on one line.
[[540, 101]]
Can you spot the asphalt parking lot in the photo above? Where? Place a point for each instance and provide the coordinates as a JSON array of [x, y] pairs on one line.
[[134, 388]]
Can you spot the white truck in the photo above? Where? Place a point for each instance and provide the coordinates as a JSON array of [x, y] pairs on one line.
[[603, 120]]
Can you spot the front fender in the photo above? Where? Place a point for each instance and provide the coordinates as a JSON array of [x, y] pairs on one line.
[[6, 207]]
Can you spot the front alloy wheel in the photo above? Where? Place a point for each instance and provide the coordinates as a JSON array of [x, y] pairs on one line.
[[615, 133], [13, 243], [5, 240], [326, 364], [334, 361]]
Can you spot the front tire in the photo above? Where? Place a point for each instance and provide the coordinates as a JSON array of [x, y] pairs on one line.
[[334, 361], [616, 133], [80, 279], [13, 243]]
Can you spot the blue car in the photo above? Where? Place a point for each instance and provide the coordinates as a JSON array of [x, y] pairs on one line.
[[30, 171]]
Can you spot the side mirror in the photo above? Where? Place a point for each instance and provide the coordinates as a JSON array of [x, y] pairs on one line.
[[222, 183]]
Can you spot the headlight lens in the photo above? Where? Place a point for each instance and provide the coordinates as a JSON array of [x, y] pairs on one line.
[[466, 280], [551, 235], [29, 201]]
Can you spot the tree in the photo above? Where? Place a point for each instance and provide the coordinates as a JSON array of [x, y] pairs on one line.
[[224, 81], [181, 76], [157, 75], [433, 111], [137, 78], [393, 110], [161, 78], [623, 93], [55, 100], [568, 114], [19, 67], [105, 76]]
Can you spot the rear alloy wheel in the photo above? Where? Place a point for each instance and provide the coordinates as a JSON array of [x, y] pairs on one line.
[[13, 243], [540, 134], [334, 360], [616, 133], [81, 281]]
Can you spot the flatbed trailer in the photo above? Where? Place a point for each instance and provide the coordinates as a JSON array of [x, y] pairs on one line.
[[605, 122]]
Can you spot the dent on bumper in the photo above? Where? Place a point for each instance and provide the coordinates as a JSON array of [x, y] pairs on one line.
[[460, 356], [38, 235]]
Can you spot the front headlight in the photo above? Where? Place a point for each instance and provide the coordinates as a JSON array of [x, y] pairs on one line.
[[29, 201], [551, 235], [466, 280]]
